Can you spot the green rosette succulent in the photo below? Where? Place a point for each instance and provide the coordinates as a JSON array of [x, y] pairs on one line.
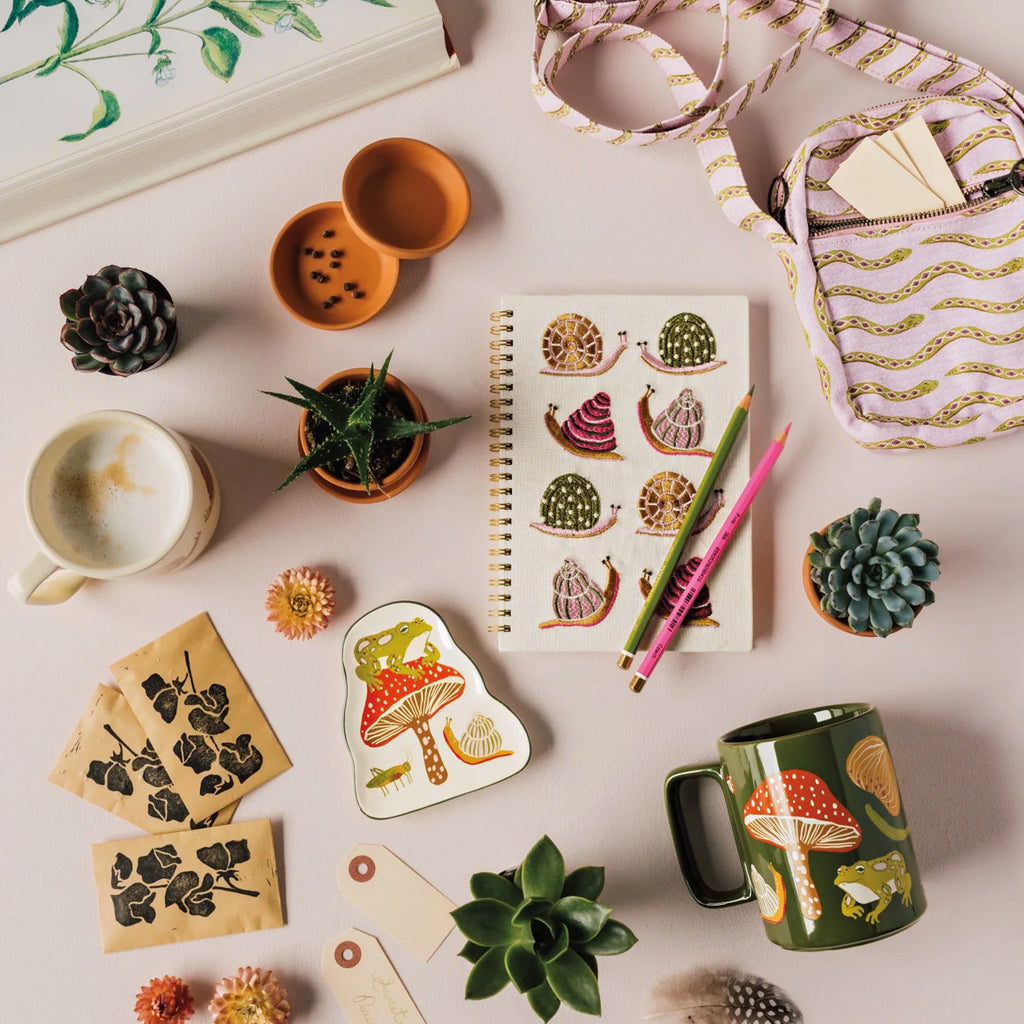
[[873, 569], [120, 321], [542, 930]]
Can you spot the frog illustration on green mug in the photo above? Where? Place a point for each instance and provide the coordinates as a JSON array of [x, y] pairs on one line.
[[870, 881], [389, 649]]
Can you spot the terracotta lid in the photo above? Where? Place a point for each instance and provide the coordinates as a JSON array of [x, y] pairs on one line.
[[405, 197], [304, 280]]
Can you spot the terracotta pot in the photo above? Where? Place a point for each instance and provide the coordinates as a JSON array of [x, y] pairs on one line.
[[815, 598], [394, 483]]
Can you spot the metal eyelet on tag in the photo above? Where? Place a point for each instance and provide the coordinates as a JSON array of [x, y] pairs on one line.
[[361, 868], [347, 954]]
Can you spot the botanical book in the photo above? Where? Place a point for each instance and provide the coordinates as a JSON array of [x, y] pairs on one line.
[[99, 98], [606, 413]]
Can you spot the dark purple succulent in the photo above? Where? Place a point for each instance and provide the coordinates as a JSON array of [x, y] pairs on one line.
[[120, 321]]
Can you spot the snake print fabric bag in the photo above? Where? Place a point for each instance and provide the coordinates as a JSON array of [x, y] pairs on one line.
[[916, 323]]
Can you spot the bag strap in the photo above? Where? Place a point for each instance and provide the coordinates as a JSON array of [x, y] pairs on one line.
[[880, 52]]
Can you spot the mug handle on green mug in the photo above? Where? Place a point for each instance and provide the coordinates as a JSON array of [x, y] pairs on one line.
[[699, 888], [43, 581]]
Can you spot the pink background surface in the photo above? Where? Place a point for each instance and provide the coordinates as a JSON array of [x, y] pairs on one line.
[[552, 211]]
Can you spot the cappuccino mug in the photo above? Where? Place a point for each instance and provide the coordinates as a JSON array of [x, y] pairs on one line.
[[819, 824], [112, 495]]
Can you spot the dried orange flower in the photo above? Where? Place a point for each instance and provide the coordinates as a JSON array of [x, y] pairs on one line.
[[300, 603], [164, 1000], [252, 996]]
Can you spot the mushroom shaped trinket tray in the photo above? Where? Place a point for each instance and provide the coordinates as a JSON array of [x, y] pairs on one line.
[[419, 722]]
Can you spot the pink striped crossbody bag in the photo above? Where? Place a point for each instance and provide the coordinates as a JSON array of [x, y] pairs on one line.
[[916, 323]]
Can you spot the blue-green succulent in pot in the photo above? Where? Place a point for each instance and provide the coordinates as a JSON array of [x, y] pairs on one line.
[[873, 570]]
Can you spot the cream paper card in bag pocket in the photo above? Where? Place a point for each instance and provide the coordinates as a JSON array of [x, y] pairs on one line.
[[201, 716], [109, 761], [879, 186]]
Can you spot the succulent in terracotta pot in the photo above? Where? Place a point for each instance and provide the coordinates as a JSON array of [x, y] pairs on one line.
[[118, 321], [542, 930], [362, 434], [871, 571]]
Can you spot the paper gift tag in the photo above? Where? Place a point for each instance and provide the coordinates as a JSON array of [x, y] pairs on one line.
[[201, 716], [396, 898], [920, 144], [187, 885], [109, 762], [419, 722], [364, 982]]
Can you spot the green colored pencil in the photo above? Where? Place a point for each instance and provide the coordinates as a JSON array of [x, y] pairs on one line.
[[732, 431]]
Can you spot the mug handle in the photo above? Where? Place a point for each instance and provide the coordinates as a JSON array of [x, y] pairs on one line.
[[43, 581], [703, 893]]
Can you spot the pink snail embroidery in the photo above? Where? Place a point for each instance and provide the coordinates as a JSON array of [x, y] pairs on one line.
[[572, 346], [699, 613], [797, 812], [577, 600], [588, 431], [678, 429]]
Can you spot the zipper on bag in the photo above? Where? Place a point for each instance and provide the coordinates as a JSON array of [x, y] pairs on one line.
[[778, 196]]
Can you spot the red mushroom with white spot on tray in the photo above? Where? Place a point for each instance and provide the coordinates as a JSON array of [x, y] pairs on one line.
[[397, 701], [796, 811]]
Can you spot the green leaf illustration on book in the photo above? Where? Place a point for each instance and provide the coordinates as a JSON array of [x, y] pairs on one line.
[[220, 47]]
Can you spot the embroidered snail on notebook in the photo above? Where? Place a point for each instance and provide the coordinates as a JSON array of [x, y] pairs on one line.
[[572, 346], [686, 344], [678, 429], [664, 501], [577, 599], [571, 507], [588, 431]]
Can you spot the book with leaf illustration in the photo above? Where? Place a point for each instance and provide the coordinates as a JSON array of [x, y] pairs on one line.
[[607, 410], [99, 98]]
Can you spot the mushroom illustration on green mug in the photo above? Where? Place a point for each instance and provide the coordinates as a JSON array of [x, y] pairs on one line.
[[406, 699], [796, 811]]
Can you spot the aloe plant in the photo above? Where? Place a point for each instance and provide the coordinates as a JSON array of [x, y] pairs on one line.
[[355, 421], [542, 930]]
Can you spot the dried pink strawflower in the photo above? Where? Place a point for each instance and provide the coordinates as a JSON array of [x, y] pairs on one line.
[[164, 1000], [300, 603], [252, 996]]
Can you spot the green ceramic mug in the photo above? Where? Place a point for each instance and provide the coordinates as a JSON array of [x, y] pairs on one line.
[[819, 824]]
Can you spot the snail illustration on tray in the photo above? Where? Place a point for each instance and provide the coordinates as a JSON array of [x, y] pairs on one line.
[[409, 685]]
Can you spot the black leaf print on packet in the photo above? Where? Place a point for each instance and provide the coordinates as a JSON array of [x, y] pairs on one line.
[[166, 805], [121, 871], [195, 753], [210, 819], [241, 758], [212, 709], [222, 856], [215, 784], [190, 895], [133, 905], [153, 772], [159, 864], [164, 695], [111, 774]]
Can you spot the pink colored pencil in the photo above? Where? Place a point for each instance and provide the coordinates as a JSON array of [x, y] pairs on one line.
[[708, 562]]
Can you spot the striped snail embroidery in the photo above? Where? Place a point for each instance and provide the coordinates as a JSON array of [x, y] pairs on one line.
[[480, 742], [699, 613], [571, 507], [572, 346], [686, 344], [577, 600], [665, 499], [678, 429], [588, 431]]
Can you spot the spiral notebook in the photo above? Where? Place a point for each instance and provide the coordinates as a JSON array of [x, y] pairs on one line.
[[606, 411]]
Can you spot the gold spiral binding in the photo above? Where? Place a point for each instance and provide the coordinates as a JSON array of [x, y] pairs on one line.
[[501, 448]]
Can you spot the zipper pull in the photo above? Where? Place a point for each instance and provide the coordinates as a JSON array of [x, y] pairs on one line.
[[1014, 180]]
